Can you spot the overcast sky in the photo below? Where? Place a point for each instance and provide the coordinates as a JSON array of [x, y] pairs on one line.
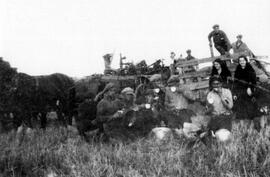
[[71, 36]]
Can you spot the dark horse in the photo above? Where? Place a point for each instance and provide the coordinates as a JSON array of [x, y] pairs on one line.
[[23, 97], [37, 95]]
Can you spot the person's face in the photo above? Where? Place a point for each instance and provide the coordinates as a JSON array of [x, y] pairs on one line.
[[129, 97], [216, 86], [159, 84], [172, 55], [238, 39], [217, 65], [242, 62], [216, 29], [112, 92]]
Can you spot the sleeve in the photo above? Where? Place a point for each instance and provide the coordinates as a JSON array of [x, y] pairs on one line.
[[209, 36], [252, 78], [167, 98], [101, 107], [227, 98], [189, 94]]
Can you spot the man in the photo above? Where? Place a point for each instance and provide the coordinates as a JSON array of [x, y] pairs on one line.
[[219, 103], [221, 42], [176, 98], [239, 47], [188, 58], [141, 90], [128, 97], [108, 108], [174, 61]]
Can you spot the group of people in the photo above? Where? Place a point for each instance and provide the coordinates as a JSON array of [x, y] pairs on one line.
[[226, 96], [230, 95], [223, 45]]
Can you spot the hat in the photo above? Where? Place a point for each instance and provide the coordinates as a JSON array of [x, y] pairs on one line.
[[215, 26], [173, 80], [128, 90], [188, 51], [239, 36], [155, 77], [109, 86], [215, 78]]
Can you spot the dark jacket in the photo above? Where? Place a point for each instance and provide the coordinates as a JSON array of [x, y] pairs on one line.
[[247, 75], [219, 38]]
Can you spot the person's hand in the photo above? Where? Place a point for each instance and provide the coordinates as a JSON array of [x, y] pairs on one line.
[[117, 114], [249, 92], [210, 44], [94, 122]]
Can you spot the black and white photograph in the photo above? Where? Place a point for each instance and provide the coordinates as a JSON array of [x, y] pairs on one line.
[[125, 88]]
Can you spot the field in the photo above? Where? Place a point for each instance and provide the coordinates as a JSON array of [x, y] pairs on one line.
[[59, 152]]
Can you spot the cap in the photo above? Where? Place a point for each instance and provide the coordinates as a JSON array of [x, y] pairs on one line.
[[215, 26], [188, 51], [128, 90], [155, 77], [239, 36]]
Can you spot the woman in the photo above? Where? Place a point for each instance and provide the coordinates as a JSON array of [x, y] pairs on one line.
[[221, 70], [244, 88]]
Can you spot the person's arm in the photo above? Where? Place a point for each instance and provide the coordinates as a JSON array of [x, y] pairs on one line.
[[101, 112], [209, 104], [226, 98], [187, 93], [210, 36], [137, 93], [167, 99]]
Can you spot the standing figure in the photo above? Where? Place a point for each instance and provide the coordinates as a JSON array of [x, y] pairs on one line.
[[221, 41], [239, 47], [188, 58]]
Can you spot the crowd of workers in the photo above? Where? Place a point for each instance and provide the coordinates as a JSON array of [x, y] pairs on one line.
[[226, 96], [220, 103]]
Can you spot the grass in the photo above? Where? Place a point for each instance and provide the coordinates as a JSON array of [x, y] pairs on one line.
[[58, 152]]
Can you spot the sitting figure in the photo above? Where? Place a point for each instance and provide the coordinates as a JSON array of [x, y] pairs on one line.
[[219, 103]]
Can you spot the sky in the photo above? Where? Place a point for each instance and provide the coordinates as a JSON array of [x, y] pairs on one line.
[[71, 36]]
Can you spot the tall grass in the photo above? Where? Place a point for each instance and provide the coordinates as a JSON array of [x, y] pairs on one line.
[[63, 153]]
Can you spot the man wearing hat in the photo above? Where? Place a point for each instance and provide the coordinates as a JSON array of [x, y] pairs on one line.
[[142, 89], [190, 57], [239, 47], [128, 97], [219, 103], [176, 98], [108, 108], [221, 42]]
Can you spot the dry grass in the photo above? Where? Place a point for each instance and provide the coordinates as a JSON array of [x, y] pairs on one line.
[[57, 152]]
